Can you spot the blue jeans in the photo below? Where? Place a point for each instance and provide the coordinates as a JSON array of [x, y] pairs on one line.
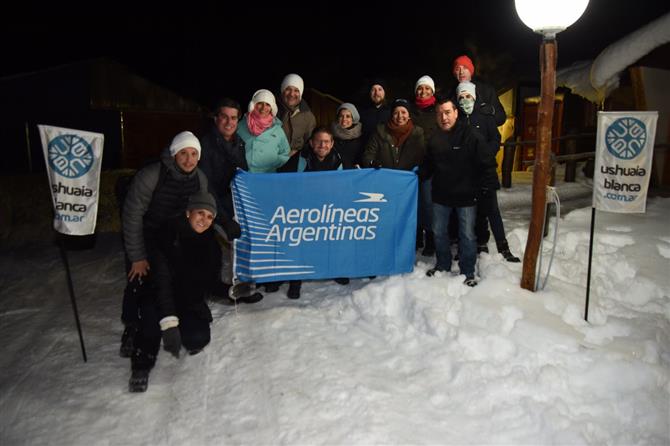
[[467, 243]]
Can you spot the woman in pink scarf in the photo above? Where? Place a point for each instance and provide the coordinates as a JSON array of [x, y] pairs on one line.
[[266, 146]]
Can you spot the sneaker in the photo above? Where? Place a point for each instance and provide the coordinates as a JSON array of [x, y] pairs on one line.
[[195, 351], [431, 272], [470, 281], [482, 248], [342, 281], [294, 290], [272, 287], [139, 381], [128, 341]]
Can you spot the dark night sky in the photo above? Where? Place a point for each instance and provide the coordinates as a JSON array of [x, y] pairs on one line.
[[208, 51]]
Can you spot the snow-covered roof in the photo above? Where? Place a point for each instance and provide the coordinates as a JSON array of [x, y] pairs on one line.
[[595, 80]]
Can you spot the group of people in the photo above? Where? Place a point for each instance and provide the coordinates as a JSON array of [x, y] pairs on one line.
[[177, 214]]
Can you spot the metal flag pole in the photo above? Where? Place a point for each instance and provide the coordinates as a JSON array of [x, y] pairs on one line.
[[63, 253], [588, 274]]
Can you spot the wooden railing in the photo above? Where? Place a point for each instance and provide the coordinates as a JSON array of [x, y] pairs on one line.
[[570, 159]]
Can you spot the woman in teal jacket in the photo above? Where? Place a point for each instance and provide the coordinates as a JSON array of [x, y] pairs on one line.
[[266, 145]]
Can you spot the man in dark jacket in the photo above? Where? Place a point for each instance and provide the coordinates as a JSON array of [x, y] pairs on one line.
[[378, 111], [222, 154], [487, 101], [455, 158]]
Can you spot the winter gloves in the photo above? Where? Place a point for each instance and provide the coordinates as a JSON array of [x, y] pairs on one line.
[[375, 164], [171, 335], [232, 229]]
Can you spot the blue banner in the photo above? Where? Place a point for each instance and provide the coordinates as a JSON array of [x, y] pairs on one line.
[[321, 225]]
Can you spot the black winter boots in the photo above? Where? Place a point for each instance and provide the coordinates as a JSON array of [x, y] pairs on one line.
[[139, 381], [294, 289], [503, 248]]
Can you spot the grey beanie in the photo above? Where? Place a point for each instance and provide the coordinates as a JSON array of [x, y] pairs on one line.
[[467, 87], [202, 200], [355, 117]]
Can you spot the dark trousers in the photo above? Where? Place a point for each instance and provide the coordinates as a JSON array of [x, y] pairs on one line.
[[193, 328], [425, 211], [488, 213], [129, 306]]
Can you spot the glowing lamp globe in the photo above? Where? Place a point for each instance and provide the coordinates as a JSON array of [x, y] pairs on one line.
[[549, 17]]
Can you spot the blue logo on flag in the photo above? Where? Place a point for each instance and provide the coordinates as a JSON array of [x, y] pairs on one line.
[[70, 156], [625, 138], [320, 225]]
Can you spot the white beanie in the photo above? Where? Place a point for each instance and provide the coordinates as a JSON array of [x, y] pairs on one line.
[[467, 87], [293, 80], [266, 96], [355, 117], [184, 140], [425, 80]]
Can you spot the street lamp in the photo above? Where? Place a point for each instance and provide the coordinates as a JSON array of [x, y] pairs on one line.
[[546, 17]]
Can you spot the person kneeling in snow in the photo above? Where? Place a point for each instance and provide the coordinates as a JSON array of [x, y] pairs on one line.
[[185, 267]]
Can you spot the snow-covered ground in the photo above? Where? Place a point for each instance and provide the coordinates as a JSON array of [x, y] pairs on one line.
[[395, 360]]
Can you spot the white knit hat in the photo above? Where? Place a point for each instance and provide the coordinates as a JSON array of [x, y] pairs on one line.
[[184, 140], [425, 80], [467, 87], [355, 117], [266, 96], [293, 80]]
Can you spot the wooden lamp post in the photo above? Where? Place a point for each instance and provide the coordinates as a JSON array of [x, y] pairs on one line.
[[546, 17]]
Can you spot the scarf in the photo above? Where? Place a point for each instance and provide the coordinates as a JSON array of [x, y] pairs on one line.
[[257, 124], [352, 132], [400, 133], [424, 103]]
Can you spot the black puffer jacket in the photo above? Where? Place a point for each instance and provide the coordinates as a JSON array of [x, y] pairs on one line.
[[149, 204], [488, 103]]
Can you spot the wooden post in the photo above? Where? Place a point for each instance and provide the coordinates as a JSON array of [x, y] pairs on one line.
[[545, 114], [571, 164]]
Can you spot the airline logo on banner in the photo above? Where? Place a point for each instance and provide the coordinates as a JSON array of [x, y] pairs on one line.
[[320, 225], [73, 159], [624, 152]]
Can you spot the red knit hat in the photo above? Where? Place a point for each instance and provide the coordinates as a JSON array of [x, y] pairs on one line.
[[466, 62]]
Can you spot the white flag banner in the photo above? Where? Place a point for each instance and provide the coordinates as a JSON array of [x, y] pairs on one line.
[[73, 159], [624, 151]]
